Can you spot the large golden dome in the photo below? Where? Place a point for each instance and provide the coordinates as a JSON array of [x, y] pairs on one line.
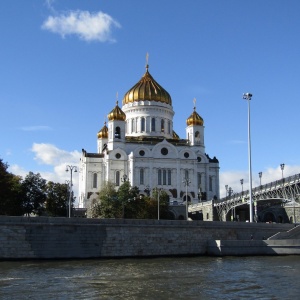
[[103, 132], [147, 89], [194, 119], [117, 114]]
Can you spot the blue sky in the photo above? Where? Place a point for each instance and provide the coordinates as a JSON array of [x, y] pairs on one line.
[[63, 62]]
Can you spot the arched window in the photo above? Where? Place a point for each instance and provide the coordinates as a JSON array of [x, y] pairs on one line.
[[169, 177], [210, 183], [153, 124], [162, 128], [118, 178], [186, 174], [143, 125], [141, 176], [199, 179], [159, 177], [94, 180], [118, 133], [164, 177], [197, 137], [169, 127]]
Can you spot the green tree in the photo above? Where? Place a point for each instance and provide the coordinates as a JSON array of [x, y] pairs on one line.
[[127, 203], [106, 205], [33, 190], [57, 201], [10, 192], [163, 204], [129, 200]]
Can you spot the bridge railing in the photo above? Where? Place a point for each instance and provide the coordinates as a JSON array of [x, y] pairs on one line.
[[261, 189]]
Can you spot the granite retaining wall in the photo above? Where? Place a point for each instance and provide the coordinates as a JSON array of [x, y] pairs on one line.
[[63, 238]]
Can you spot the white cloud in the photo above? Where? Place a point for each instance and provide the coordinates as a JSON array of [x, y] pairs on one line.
[[57, 159], [17, 170], [51, 155], [48, 154], [36, 128], [232, 178], [49, 4], [88, 26]]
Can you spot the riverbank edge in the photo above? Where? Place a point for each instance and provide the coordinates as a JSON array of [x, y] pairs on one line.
[[24, 238]]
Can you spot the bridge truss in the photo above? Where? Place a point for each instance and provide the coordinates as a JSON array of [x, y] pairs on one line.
[[284, 191]]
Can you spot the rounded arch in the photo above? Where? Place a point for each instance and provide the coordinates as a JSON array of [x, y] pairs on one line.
[[187, 196], [172, 150], [141, 152], [121, 154], [187, 154], [269, 217]]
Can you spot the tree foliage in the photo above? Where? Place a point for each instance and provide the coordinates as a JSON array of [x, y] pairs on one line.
[[106, 205], [33, 195], [10, 192], [127, 203], [57, 202], [33, 190]]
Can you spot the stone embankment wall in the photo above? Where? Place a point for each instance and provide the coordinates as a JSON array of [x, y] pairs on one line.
[[53, 238]]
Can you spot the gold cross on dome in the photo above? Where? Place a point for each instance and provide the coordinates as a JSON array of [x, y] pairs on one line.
[[194, 103]]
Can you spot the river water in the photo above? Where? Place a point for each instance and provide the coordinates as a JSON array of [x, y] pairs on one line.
[[271, 277]]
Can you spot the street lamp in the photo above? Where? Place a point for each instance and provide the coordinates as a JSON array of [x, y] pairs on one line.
[[260, 175], [242, 182], [158, 190], [147, 190], [67, 195], [282, 168], [230, 192], [199, 194], [71, 168], [186, 182], [123, 205], [248, 96], [124, 178]]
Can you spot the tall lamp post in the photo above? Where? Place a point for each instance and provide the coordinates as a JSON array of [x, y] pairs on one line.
[[260, 175], [71, 169], [158, 190], [67, 195], [282, 168], [124, 178], [242, 183], [248, 96], [186, 182]]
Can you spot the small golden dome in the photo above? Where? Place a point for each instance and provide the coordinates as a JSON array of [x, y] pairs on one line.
[[117, 114], [103, 133], [194, 119], [147, 89], [175, 135]]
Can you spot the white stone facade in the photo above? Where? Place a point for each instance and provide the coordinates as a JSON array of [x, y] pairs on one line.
[[139, 142]]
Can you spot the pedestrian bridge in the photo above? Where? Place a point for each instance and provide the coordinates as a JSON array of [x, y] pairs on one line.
[[284, 192]]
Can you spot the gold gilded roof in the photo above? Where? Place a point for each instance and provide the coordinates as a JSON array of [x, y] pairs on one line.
[[147, 89], [117, 114], [103, 132], [194, 119]]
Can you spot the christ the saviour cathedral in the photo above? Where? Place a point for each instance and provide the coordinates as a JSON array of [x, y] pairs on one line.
[[139, 144]]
